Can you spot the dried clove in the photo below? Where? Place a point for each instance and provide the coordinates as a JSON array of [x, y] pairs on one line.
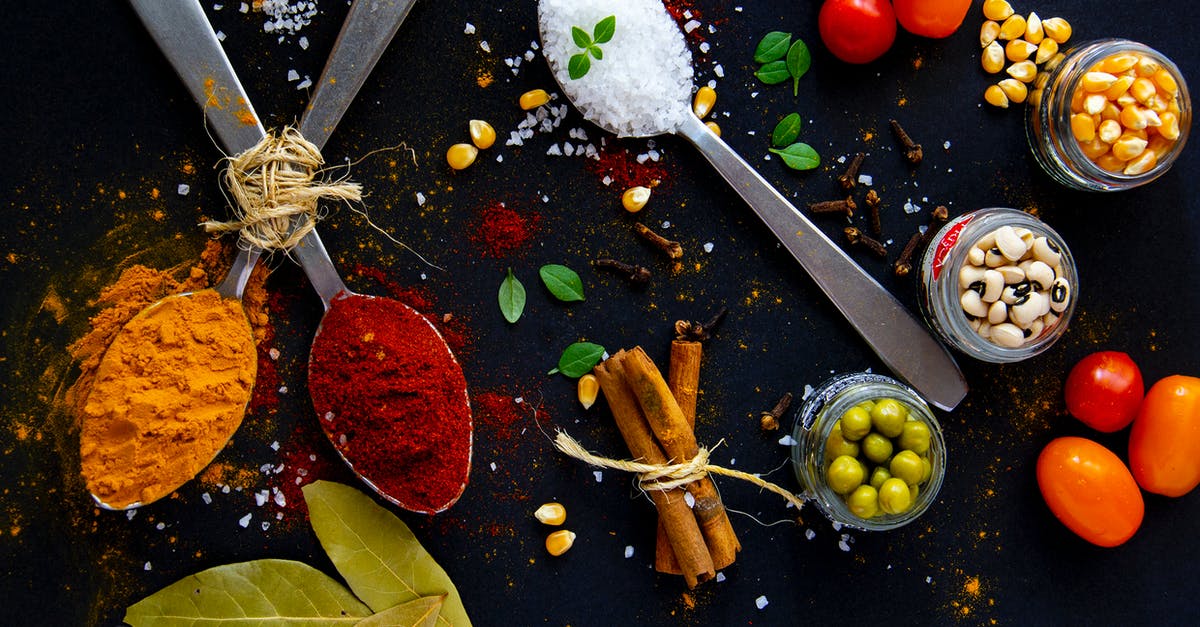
[[912, 150], [850, 178], [770, 419], [671, 248], [686, 331], [939, 215], [638, 275], [873, 202], [903, 265], [845, 207], [857, 237]]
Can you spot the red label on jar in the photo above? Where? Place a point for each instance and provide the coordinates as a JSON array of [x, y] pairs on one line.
[[946, 244]]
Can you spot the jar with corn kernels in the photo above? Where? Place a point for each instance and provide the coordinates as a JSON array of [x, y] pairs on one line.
[[1111, 115]]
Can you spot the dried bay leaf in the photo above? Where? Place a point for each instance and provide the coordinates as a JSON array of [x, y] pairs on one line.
[[377, 553], [420, 613], [278, 592]]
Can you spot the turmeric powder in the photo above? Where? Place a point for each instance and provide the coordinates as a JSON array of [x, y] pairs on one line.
[[170, 391]]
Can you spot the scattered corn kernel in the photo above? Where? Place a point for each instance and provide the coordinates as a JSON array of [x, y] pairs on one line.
[[1019, 50], [995, 96], [1012, 28], [1024, 71], [533, 99], [482, 134], [993, 58], [1141, 164], [712, 126], [553, 514], [1034, 33], [635, 198], [461, 156], [1082, 127], [703, 103], [1129, 147], [1119, 63], [1109, 131], [1057, 28], [988, 33], [1014, 89], [588, 388], [1097, 81], [1046, 51], [560, 541], [997, 9]]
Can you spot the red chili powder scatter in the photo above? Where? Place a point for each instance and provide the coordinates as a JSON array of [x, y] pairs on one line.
[[498, 412], [416, 297], [305, 458], [394, 400], [622, 168], [501, 230]]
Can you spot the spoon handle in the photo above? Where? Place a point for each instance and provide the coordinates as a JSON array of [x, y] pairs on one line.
[[903, 343]]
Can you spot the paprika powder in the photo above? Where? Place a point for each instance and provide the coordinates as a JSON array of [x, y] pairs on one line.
[[393, 400]]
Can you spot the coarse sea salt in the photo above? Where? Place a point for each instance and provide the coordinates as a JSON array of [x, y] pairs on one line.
[[643, 85]]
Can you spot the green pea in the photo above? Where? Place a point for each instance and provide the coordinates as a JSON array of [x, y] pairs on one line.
[[844, 474], [915, 437], [928, 469], [878, 476], [894, 496], [888, 417], [863, 501], [836, 445], [867, 405], [876, 448], [856, 423], [907, 465]]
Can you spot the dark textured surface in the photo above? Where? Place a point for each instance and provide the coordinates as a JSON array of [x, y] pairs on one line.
[[94, 120]]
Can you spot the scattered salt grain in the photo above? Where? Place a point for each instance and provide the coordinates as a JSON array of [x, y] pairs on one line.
[[260, 498], [628, 551], [704, 47], [275, 445], [761, 602], [666, 224], [160, 526], [146, 566], [244, 8], [303, 43], [689, 499], [184, 189], [220, 35], [809, 534], [485, 46], [787, 440], [130, 514], [420, 199], [304, 84], [865, 179], [844, 546], [499, 158], [910, 208], [207, 498], [244, 521], [279, 498], [690, 26], [708, 247], [492, 466], [470, 29], [946, 145], [837, 526], [273, 354], [928, 579], [720, 576], [266, 525], [225, 489], [599, 475], [808, 390]]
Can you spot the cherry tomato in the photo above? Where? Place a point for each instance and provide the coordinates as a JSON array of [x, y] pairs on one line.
[[1104, 391], [857, 31], [931, 18], [1164, 445], [1090, 490]]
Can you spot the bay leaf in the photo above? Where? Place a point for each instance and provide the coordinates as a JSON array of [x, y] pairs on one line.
[[278, 592], [377, 553], [420, 613]]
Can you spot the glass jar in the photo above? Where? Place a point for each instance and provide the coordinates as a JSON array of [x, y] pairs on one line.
[[1049, 126], [823, 409], [941, 290]]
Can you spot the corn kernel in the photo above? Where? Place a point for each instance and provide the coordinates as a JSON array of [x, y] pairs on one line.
[[1019, 50], [635, 198], [553, 514], [1097, 81], [1077, 101], [461, 156], [1082, 127], [1109, 131], [1142, 164], [1126, 99], [1094, 103], [1110, 163], [1034, 33], [1042, 79], [1157, 103], [1170, 126], [1057, 28], [482, 134], [1094, 149], [995, 96], [1142, 89], [1147, 67], [587, 389], [997, 9], [1118, 63], [1118, 88], [1161, 146], [1012, 28], [1024, 71], [988, 33], [1110, 112], [1046, 51], [559, 542], [1129, 147], [703, 103], [533, 99], [993, 58], [1166, 82], [712, 126], [1014, 89], [1133, 118]]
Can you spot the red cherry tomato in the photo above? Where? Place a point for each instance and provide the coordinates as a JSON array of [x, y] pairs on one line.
[[931, 18], [857, 31], [1164, 445], [1090, 490], [1104, 391]]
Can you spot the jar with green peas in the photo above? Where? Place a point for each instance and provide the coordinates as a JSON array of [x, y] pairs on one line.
[[869, 451]]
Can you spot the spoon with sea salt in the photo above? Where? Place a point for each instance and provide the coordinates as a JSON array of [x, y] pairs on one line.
[[642, 87], [188, 40]]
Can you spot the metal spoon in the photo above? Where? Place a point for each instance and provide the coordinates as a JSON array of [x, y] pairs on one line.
[[185, 36], [903, 343]]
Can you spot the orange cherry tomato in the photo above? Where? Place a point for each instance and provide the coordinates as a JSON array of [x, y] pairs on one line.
[[1164, 445], [1089, 489], [931, 18]]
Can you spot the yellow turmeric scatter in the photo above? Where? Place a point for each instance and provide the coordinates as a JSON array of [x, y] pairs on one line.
[[169, 392]]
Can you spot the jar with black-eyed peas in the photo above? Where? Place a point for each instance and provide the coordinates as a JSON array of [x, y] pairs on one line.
[[998, 285], [1111, 115]]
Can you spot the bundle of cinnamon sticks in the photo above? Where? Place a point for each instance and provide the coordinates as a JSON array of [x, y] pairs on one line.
[[657, 421]]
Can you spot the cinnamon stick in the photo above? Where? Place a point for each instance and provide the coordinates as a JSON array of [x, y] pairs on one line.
[[678, 440], [683, 377], [679, 524]]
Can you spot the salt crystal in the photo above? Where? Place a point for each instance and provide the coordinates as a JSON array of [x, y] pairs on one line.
[[329, 416], [946, 145], [865, 179], [808, 390], [266, 525], [244, 521], [643, 158], [837, 526], [485, 46], [787, 440], [160, 526], [690, 26], [280, 499], [207, 498], [183, 189], [599, 475], [493, 466], [628, 551], [554, 150], [666, 224], [529, 55], [704, 47], [293, 75], [499, 158], [146, 566], [283, 389], [708, 247], [275, 445], [843, 546], [420, 199], [929, 579], [607, 180], [470, 29], [244, 8], [754, 94], [220, 35], [568, 149], [809, 534], [273, 354], [224, 489], [304, 84], [760, 602], [719, 71], [720, 576], [260, 498], [841, 159], [689, 499]]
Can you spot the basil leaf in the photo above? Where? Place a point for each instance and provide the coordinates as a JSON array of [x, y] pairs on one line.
[[562, 281], [799, 156], [799, 59], [605, 29], [772, 47], [578, 359], [581, 37], [596, 52], [511, 297], [773, 73], [578, 66], [786, 131]]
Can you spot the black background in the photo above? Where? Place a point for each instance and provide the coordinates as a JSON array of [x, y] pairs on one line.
[[90, 108]]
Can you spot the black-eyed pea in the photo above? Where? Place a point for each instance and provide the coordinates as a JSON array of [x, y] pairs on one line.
[[1007, 334], [968, 274], [993, 285], [1010, 244], [1046, 251], [1060, 295], [1025, 310], [1026, 236], [1011, 274], [1043, 303], [975, 256], [1050, 319], [975, 323], [1009, 296], [973, 304], [987, 241], [1040, 275], [993, 258], [984, 330], [1035, 328], [997, 313]]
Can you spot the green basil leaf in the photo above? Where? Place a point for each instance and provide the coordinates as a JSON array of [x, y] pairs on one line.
[[562, 281], [773, 73], [605, 29], [786, 131], [799, 59], [578, 359], [772, 47], [581, 37], [799, 156], [578, 66], [596, 52], [511, 297], [376, 553], [251, 593], [420, 613]]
